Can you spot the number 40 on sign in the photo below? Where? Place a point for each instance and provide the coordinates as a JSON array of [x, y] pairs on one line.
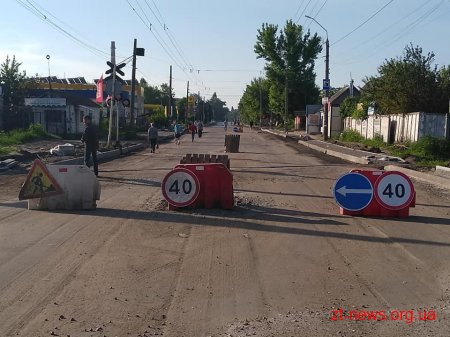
[[180, 187]]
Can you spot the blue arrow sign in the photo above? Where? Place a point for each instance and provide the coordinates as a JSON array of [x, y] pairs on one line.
[[353, 191]]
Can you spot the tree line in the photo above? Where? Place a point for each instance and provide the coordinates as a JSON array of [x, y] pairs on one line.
[[15, 115], [201, 109], [410, 83]]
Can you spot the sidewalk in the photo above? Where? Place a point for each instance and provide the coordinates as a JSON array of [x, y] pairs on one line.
[[362, 157]]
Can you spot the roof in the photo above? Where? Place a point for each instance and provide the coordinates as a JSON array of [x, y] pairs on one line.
[[77, 100], [71, 99], [342, 91]]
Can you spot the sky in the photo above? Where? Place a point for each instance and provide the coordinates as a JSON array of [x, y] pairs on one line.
[[210, 43]]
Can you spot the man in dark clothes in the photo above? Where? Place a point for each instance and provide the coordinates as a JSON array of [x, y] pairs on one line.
[[90, 140]]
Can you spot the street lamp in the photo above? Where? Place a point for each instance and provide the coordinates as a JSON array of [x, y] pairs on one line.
[[49, 78], [326, 82]]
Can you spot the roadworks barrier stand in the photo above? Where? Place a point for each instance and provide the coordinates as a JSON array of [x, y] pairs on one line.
[[60, 187], [199, 186], [232, 143], [374, 193], [206, 159]]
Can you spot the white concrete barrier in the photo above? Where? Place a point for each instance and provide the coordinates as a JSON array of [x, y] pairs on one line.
[[80, 185]]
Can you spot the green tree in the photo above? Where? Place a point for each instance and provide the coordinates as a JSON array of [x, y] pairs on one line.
[[250, 106], [290, 56], [348, 106], [408, 83], [13, 84], [152, 95], [181, 108], [143, 83], [219, 110]]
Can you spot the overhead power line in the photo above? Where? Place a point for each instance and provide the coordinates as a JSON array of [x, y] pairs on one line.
[[37, 10], [363, 23], [317, 13]]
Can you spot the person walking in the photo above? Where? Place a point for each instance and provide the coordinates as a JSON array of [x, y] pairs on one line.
[[90, 140], [200, 129], [193, 130], [177, 132], [152, 137]]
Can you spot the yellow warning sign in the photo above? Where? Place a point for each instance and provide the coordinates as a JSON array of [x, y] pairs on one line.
[[39, 183]]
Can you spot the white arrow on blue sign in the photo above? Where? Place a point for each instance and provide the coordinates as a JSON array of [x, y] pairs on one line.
[[353, 191]]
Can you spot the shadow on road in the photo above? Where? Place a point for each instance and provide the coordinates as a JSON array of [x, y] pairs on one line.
[[131, 181], [239, 218], [284, 193]]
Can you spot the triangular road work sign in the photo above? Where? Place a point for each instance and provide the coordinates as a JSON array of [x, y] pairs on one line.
[[39, 183]]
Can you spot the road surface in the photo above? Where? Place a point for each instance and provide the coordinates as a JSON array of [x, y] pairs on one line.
[[282, 263]]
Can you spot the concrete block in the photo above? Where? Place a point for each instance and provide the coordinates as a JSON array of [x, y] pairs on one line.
[[81, 189], [427, 177], [443, 171]]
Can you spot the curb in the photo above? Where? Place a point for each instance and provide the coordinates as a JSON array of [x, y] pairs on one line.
[[348, 157], [274, 133], [429, 178], [102, 155]]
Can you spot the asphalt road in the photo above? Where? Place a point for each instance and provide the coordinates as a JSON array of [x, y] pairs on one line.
[[281, 263]]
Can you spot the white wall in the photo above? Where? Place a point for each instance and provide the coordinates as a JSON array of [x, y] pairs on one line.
[[409, 127]]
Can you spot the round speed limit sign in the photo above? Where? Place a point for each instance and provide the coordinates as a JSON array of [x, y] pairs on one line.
[[180, 187], [394, 190]]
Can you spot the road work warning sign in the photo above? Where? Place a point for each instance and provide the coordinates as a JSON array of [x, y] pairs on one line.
[[39, 183]]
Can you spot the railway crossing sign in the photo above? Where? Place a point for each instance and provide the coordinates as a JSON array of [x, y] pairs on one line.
[[353, 191], [180, 187], [394, 190]]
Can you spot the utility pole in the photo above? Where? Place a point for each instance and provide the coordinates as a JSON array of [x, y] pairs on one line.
[[327, 80], [133, 85], [260, 102], [186, 110], [327, 89], [170, 95], [198, 106], [111, 113], [285, 102], [203, 111]]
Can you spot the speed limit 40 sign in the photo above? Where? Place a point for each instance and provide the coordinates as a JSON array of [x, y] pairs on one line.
[[180, 187], [394, 190]]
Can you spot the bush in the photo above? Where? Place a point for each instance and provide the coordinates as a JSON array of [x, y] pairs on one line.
[[350, 135], [9, 139], [14, 137], [159, 119], [429, 151], [376, 142]]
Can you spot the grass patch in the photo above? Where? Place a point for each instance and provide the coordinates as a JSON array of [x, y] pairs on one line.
[[428, 151], [8, 140], [351, 136]]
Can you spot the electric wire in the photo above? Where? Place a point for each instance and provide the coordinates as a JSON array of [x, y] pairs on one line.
[[317, 13], [39, 14], [363, 23]]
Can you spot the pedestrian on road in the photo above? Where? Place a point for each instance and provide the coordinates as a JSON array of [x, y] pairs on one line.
[[193, 130], [177, 132], [225, 125], [200, 129], [152, 137], [251, 124], [90, 140]]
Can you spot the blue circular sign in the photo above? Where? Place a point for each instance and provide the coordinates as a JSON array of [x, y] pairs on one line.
[[353, 191]]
